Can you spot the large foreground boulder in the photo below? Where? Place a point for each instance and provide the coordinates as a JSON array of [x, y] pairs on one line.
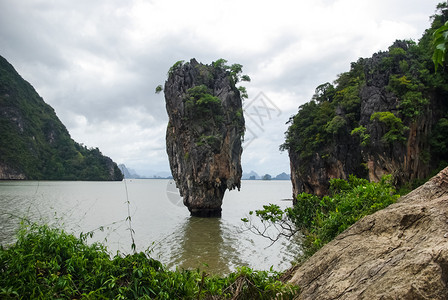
[[400, 252]]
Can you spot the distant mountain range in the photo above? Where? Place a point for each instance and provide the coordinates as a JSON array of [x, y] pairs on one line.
[[132, 174], [252, 175]]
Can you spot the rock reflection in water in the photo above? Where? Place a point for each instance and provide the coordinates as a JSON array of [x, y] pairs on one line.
[[205, 243]]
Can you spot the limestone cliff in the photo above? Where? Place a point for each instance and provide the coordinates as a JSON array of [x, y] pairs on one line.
[[203, 138], [400, 252], [387, 115]]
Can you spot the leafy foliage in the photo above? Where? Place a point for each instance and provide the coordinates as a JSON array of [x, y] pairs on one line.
[[159, 89], [335, 125], [36, 143], [235, 72], [47, 263], [204, 108], [411, 93], [176, 65], [274, 223], [393, 124], [202, 97], [321, 219], [361, 132], [220, 64], [440, 39]]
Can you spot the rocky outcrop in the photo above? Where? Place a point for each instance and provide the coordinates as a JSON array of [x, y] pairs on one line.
[[313, 175], [400, 116], [203, 138], [400, 252], [404, 159]]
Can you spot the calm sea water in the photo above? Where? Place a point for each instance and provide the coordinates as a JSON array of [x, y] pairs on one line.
[[161, 225]]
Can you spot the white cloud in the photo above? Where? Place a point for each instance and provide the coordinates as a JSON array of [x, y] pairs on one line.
[[98, 62]]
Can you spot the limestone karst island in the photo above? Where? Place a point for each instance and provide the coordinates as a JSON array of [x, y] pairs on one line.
[[365, 215], [203, 137]]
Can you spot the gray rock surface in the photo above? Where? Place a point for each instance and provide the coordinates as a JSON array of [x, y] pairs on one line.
[[400, 252], [204, 133]]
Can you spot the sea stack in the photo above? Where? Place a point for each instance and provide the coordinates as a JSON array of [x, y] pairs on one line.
[[204, 133]]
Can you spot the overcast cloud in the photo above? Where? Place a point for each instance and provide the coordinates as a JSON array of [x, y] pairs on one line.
[[97, 63]]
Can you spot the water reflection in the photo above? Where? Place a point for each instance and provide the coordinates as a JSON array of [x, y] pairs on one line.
[[206, 243], [165, 230]]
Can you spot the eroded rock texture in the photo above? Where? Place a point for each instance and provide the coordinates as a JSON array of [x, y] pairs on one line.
[[204, 133], [380, 87], [400, 252]]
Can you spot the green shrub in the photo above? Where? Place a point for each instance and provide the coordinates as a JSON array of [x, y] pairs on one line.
[[321, 219], [394, 125], [364, 137], [176, 65], [201, 104], [335, 125], [413, 104], [47, 263]]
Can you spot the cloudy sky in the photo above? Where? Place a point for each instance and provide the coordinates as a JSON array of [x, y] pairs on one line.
[[97, 63]]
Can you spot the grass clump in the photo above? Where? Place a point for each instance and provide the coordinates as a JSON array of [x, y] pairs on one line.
[[48, 263]]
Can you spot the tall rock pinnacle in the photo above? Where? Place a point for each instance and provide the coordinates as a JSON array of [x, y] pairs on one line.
[[204, 133]]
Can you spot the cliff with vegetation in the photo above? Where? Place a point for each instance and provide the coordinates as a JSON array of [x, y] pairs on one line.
[[387, 115], [204, 133], [35, 145]]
